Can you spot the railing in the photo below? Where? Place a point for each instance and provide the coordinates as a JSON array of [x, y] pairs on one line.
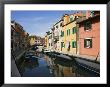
[[56, 38]]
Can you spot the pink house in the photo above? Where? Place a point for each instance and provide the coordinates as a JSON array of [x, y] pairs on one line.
[[89, 34]]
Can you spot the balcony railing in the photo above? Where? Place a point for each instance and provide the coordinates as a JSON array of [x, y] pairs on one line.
[[56, 38]]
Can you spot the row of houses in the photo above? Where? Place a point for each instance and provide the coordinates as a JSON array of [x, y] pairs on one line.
[[37, 41], [22, 41], [76, 34], [19, 38]]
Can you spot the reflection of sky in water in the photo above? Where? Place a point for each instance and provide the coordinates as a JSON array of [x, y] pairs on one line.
[[41, 70], [50, 67]]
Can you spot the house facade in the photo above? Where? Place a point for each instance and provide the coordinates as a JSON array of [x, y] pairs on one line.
[[19, 38], [69, 33], [57, 39], [32, 40], [89, 34]]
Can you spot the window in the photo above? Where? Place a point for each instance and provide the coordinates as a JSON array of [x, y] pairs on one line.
[[71, 18], [91, 13], [60, 24], [73, 44], [62, 33], [74, 30], [62, 44], [57, 26], [88, 43], [67, 32], [87, 26]]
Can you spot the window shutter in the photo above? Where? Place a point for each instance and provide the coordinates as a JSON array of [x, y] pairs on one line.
[[84, 25], [67, 32], [84, 43], [61, 34], [61, 44], [75, 44], [75, 29], [90, 43], [72, 44]]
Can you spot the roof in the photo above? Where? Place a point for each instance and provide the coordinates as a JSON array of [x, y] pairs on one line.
[[90, 18]]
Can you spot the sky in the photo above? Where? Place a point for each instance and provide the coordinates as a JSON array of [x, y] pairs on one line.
[[38, 22]]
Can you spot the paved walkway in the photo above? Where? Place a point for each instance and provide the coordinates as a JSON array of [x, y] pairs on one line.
[[19, 56], [64, 56], [83, 60], [14, 69], [87, 57], [88, 63]]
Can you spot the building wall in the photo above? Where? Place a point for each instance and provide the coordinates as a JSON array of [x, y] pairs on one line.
[[32, 41], [18, 38], [46, 41], [57, 33], [69, 38], [94, 34]]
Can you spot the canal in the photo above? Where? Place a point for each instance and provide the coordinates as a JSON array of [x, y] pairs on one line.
[[46, 66]]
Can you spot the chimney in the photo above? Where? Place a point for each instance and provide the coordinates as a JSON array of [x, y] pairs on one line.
[[87, 14]]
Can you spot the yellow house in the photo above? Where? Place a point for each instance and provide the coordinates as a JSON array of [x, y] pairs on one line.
[[32, 40], [68, 34], [46, 41]]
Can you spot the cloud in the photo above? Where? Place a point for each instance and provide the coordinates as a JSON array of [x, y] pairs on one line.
[[36, 25], [31, 19]]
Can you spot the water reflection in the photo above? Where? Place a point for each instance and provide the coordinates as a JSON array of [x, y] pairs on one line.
[[45, 66], [30, 64], [60, 67], [67, 68]]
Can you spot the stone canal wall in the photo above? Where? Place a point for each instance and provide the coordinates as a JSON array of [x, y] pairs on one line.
[[85, 61]]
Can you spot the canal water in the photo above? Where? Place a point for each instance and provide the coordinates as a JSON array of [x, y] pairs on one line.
[[46, 66]]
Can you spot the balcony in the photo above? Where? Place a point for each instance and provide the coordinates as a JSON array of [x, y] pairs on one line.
[[56, 38]]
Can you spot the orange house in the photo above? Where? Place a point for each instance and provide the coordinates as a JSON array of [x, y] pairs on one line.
[[89, 34]]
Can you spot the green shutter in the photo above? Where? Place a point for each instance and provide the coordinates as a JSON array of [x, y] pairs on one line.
[[61, 44], [90, 43], [74, 44], [84, 43], [67, 32], [71, 19], [61, 34], [74, 30], [84, 25]]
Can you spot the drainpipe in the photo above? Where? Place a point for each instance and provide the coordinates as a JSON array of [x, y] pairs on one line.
[[97, 56], [77, 36]]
